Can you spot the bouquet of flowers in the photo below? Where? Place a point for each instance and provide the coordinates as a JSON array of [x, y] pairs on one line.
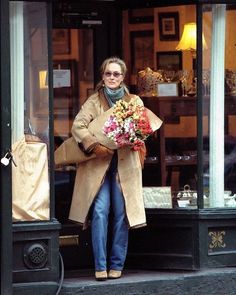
[[128, 125]]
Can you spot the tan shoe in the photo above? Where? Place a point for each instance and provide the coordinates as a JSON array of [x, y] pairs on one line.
[[114, 274], [101, 275]]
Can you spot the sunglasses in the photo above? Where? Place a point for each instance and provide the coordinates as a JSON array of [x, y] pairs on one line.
[[115, 74]]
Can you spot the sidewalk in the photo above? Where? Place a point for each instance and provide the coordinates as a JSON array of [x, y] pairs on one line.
[[220, 281]]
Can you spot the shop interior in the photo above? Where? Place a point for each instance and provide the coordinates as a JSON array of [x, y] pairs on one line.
[[163, 66], [162, 71], [187, 213]]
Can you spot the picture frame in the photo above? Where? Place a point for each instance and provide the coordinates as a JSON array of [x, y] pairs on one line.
[[169, 60], [144, 15], [167, 89], [61, 41], [141, 50], [168, 26]]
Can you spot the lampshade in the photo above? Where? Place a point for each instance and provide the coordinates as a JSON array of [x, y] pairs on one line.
[[188, 40]]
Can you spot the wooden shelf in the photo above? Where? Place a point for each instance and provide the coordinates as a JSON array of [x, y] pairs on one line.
[[171, 110]]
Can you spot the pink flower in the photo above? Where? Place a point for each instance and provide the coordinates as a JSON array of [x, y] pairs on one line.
[[128, 125]]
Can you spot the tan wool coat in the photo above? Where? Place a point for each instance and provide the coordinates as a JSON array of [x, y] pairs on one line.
[[90, 174]]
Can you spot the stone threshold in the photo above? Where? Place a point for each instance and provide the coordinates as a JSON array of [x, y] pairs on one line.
[[219, 281]]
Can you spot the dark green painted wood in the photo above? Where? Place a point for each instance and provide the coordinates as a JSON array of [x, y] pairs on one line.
[[189, 228], [5, 144], [36, 233], [51, 110], [45, 288]]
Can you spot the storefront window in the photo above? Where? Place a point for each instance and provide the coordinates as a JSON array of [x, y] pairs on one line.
[[30, 111], [219, 81], [162, 61]]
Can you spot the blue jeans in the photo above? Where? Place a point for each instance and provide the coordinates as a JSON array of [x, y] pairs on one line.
[[109, 199]]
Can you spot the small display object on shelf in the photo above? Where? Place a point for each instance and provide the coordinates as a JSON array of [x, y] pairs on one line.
[[167, 89], [157, 197]]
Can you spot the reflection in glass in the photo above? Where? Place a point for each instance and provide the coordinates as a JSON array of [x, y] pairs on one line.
[[219, 108], [206, 81], [30, 111], [230, 78], [75, 57]]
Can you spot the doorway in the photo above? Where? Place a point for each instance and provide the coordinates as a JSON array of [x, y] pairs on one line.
[[83, 36], [73, 82]]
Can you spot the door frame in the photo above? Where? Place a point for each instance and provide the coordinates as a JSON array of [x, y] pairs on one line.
[[5, 144]]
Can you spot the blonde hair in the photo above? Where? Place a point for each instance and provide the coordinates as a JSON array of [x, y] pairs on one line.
[[106, 62]]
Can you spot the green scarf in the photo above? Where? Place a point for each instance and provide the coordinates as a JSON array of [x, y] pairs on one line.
[[113, 96]]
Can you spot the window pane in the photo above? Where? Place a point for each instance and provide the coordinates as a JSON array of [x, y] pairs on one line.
[[167, 86], [73, 83], [30, 110], [219, 80]]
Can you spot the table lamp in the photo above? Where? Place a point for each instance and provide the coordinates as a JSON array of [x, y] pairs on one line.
[[188, 41]]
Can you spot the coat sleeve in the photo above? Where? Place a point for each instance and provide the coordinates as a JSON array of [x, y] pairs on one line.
[[79, 130]]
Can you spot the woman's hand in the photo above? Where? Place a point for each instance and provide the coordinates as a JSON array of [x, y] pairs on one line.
[[102, 151]]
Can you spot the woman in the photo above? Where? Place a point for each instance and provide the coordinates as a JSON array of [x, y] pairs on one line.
[[109, 186]]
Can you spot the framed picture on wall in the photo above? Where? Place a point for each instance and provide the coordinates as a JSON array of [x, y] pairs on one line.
[[168, 26], [144, 15], [142, 48], [169, 60]]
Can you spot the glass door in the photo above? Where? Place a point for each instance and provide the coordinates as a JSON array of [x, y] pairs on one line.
[[30, 111], [73, 78]]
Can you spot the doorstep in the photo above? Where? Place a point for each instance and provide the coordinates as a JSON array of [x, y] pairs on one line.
[[220, 281]]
